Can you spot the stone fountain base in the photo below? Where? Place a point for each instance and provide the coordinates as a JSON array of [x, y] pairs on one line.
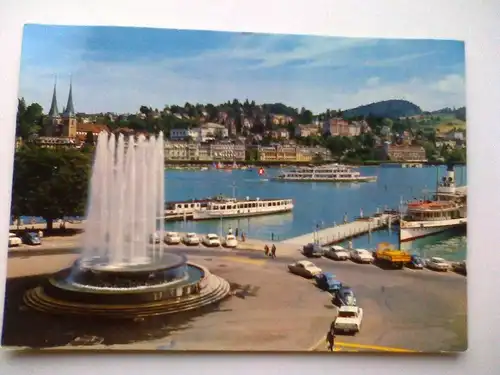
[[167, 286]]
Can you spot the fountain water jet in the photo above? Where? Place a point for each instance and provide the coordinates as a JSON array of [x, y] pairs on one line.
[[125, 202]]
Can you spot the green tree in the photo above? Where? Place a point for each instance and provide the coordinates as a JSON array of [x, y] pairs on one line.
[[29, 119], [89, 138], [50, 183]]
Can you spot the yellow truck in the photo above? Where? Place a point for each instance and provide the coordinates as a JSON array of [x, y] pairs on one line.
[[387, 254]]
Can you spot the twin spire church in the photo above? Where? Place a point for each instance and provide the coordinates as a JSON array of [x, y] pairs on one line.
[[61, 124]]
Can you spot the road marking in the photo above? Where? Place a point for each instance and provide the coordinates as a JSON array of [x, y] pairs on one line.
[[256, 262], [361, 346], [375, 347]]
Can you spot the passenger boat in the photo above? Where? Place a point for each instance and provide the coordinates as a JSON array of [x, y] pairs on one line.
[[232, 207], [446, 210], [325, 173], [220, 206]]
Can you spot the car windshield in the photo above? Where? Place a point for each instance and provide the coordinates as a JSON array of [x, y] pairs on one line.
[[230, 237], [32, 235], [347, 292], [346, 314], [437, 260], [212, 236]]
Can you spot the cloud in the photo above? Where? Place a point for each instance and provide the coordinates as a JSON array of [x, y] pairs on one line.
[[315, 72], [373, 81], [123, 87]]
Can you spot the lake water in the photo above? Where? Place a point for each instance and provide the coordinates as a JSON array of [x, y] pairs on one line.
[[317, 203]]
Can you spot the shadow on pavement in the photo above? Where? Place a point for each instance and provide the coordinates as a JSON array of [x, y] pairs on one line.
[[26, 327]]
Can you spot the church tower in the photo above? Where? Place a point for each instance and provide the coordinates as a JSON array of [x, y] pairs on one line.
[[54, 119], [69, 116]]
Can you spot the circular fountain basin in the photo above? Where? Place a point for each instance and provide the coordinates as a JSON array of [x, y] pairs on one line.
[[99, 282]]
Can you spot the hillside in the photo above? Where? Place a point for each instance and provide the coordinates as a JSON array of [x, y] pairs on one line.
[[387, 108]]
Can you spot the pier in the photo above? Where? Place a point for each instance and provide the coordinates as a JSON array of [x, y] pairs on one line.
[[345, 231]]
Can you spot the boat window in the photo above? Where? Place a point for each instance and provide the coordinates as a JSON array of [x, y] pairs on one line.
[[192, 205]]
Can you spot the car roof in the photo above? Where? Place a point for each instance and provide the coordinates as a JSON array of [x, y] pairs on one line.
[[172, 233], [338, 247], [191, 234], [348, 308], [230, 236], [305, 263], [438, 258], [212, 235]]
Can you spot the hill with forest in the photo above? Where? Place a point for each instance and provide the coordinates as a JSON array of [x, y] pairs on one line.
[[392, 109]]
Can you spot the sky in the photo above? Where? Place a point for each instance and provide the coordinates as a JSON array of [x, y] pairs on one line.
[[118, 69]]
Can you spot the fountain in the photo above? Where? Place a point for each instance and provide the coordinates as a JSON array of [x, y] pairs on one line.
[[122, 272]]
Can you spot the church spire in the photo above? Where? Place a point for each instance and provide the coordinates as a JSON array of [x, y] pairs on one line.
[[70, 109], [54, 112]]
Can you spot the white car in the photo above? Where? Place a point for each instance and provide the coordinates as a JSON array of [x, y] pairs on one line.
[[211, 240], [191, 239], [337, 253], [230, 241], [438, 264], [304, 268], [349, 319], [172, 238], [361, 256], [14, 240], [154, 238]]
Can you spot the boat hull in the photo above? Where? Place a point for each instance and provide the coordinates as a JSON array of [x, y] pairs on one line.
[[339, 180], [211, 215], [410, 231]]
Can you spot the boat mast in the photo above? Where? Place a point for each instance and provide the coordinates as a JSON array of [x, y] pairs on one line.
[[234, 190], [437, 181]]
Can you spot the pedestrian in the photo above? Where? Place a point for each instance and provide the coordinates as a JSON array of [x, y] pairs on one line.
[[273, 251], [40, 233], [243, 236], [330, 337], [236, 231], [266, 250]]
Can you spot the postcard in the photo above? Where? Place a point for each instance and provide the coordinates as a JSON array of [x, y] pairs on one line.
[[191, 190]]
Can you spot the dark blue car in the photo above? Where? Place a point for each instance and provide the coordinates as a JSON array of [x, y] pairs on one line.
[[327, 281], [416, 262], [31, 238], [344, 296]]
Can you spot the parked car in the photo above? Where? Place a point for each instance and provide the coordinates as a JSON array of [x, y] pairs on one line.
[[304, 268], [191, 239], [327, 281], [460, 267], [154, 238], [415, 262], [313, 250], [344, 296], [349, 319], [361, 256], [31, 238], [337, 253], [14, 240], [172, 238], [230, 241], [211, 240], [438, 264]]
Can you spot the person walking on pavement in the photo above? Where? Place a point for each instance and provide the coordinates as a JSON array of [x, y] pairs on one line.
[[266, 250], [273, 251], [330, 337]]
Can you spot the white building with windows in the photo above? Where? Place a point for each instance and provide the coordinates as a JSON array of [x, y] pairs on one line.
[[182, 134]]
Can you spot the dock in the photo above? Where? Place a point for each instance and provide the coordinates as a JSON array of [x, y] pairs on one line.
[[345, 231]]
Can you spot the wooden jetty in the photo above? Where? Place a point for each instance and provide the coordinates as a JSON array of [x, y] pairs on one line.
[[346, 231]]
